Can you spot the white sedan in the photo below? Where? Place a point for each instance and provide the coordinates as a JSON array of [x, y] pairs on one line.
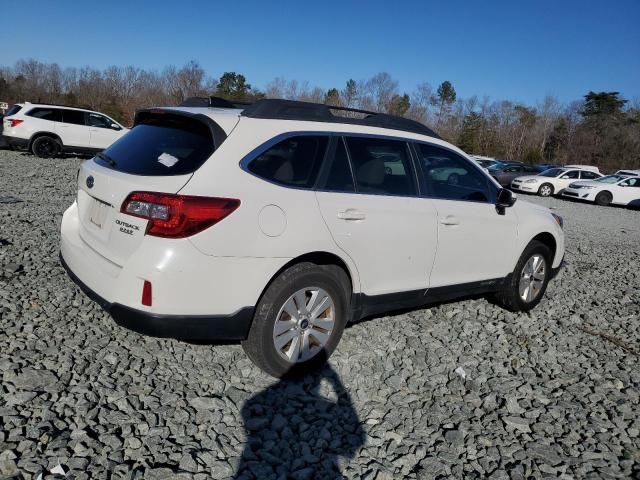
[[552, 181], [618, 189]]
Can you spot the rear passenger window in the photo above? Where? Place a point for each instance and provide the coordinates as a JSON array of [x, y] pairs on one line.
[[293, 162], [381, 166], [53, 114], [75, 117], [337, 176], [447, 175], [589, 175]]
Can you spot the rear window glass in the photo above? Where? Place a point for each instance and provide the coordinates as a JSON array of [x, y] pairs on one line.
[[293, 162], [163, 145], [13, 109], [53, 114]]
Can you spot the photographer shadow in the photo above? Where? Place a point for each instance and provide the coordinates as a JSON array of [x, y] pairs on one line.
[[298, 428]]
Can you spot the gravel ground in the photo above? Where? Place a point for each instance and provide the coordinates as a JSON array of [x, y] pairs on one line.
[[462, 390]]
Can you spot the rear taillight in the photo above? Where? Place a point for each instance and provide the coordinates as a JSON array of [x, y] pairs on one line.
[[177, 216], [14, 122]]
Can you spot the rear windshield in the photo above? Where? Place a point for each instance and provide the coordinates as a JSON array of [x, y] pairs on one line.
[[163, 145], [13, 109]]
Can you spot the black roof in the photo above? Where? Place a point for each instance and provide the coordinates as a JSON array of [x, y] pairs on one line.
[[314, 112]]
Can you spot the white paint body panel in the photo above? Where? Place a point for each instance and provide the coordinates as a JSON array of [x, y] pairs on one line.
[[226, 267]]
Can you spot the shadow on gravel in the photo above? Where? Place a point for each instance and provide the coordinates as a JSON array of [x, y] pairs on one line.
[[298, 428]]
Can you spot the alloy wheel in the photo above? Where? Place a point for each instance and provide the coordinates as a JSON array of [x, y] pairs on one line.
[[532, 278], [304, 324]]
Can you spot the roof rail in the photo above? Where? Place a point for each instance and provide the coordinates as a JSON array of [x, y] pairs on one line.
[[215, 102], [317, 112]]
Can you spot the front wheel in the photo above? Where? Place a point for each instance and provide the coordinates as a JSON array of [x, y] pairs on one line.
[[529, 279], [545, 190], [299, 319], [604, 199]]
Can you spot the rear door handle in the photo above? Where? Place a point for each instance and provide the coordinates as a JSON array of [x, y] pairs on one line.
[[450, 220], [351, 214]]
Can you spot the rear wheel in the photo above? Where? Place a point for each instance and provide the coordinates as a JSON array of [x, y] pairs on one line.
[[529, 279], [604, 198], [45, 147], [299, 319], [545, 190]]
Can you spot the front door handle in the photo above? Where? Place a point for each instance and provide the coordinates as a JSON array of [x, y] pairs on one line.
[[450, 220], [351, 214]]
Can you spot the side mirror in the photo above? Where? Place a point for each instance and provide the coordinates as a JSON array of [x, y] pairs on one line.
[[506, 199], [565, 177], [115, 126]]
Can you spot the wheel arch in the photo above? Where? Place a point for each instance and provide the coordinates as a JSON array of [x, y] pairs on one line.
[[319, 258], [37, 135], [547, 239]]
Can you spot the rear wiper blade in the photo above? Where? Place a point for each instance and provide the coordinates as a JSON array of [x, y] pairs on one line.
[[106, 158]]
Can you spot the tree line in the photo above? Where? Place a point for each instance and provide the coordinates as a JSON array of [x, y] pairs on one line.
[[602, 129]]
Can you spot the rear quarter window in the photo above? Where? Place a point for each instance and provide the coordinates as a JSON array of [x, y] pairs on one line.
[[162, 145], [292, 162]]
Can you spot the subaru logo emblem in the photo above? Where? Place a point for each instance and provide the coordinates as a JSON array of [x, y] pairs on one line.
[[90, 181]]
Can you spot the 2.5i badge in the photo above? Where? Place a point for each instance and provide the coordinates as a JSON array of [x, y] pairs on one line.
[[126, 227]]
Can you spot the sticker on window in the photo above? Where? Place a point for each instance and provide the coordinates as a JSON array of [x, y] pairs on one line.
[[167, 160]]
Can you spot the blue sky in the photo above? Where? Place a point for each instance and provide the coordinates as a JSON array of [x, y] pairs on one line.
[[520, 50]]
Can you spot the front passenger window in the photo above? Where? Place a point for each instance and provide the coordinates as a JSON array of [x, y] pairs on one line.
[[571, 174], [449, 176], [99, 121]]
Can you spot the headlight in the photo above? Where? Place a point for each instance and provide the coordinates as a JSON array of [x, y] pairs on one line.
[[586, 187], [531, 180], [558, 220]]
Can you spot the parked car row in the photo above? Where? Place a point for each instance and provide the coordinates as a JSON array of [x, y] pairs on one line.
[[583, 182], [48, 130]]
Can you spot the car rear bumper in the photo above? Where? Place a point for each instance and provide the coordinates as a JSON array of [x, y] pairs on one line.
[[196, 327], [15, 142], [195, 296]]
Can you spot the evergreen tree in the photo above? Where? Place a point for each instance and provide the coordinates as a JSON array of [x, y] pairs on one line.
[[399, 105]]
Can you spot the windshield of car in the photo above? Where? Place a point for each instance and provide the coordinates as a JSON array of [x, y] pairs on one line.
[[161, 146], [611, 179], [552, 172], [496, 167]]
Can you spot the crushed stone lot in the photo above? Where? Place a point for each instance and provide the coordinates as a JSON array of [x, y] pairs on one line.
[[462, 390]]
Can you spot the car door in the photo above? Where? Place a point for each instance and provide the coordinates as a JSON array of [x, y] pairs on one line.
[[565, 179], [103, 134], [627, 191], [475, 242], [369, 200], [73, 130]]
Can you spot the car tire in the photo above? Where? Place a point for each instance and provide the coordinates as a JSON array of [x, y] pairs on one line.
[[45, 147], [604, 199], [527, 284], [276, 341], [545, 190]]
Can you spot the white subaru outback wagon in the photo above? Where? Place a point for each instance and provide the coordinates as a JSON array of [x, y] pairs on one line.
[[280, 222]]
